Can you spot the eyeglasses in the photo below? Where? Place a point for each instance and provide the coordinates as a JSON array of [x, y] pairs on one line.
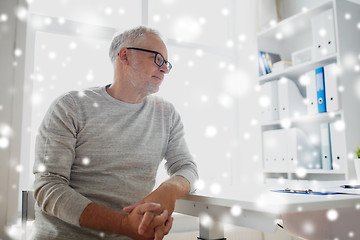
[[158, 58]]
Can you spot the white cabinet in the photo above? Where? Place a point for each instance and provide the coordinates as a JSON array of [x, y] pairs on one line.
[[328, 34]]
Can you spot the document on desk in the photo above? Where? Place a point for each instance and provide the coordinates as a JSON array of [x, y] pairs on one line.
[[304, 191], [344, 189]]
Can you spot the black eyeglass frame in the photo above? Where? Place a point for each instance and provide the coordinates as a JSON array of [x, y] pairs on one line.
[[168, 64]]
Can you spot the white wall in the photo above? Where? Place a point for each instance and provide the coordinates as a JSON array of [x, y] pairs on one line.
[[12, 75]]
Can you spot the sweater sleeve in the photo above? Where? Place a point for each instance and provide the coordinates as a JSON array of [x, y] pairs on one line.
[[178, 158], [54, 156]]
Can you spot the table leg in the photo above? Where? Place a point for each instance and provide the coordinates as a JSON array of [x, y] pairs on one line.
[[213, 231]]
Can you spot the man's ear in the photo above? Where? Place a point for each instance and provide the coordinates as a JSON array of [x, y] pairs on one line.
[[123, 55]]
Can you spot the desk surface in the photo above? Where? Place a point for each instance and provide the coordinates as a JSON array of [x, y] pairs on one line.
[[278, 203], [259, 210]]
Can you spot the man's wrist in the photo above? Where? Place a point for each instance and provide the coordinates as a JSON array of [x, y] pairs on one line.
[[103, 219], [122, 223]]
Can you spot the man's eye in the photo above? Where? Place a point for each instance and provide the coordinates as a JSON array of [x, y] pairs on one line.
[[159, 59]]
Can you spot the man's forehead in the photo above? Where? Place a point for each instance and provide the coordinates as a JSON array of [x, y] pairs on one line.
[[154, 42]]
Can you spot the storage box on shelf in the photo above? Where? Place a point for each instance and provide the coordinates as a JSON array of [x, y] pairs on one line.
[[302, 139]]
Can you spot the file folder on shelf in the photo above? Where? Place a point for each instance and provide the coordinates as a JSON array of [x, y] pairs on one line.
[[301, 153], [323, 33], [329, 39], [338, 148], [288, 149], [291, 102], [327, 80], [274, 150], [326, 157], [312, 107], [331, 88], [270, 107], [320, 89]]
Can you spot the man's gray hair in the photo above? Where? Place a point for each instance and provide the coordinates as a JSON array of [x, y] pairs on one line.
[[127, 39]]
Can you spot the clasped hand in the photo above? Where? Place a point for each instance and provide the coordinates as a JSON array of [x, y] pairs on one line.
[[147, 221]]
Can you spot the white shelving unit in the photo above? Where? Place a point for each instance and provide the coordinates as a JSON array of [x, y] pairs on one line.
[[294, 34]]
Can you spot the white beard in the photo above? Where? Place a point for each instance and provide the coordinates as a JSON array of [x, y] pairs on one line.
[[137, 81]]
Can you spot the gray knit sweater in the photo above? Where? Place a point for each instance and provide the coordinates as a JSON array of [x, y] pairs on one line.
[[94, 148]]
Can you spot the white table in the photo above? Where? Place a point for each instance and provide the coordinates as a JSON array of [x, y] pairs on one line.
[[261, 211]]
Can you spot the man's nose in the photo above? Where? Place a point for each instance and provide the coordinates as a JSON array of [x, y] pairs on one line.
[[164, 69]]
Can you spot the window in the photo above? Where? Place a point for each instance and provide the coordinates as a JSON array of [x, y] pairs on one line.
[[67, 49], [61, 63], [67, 46]]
